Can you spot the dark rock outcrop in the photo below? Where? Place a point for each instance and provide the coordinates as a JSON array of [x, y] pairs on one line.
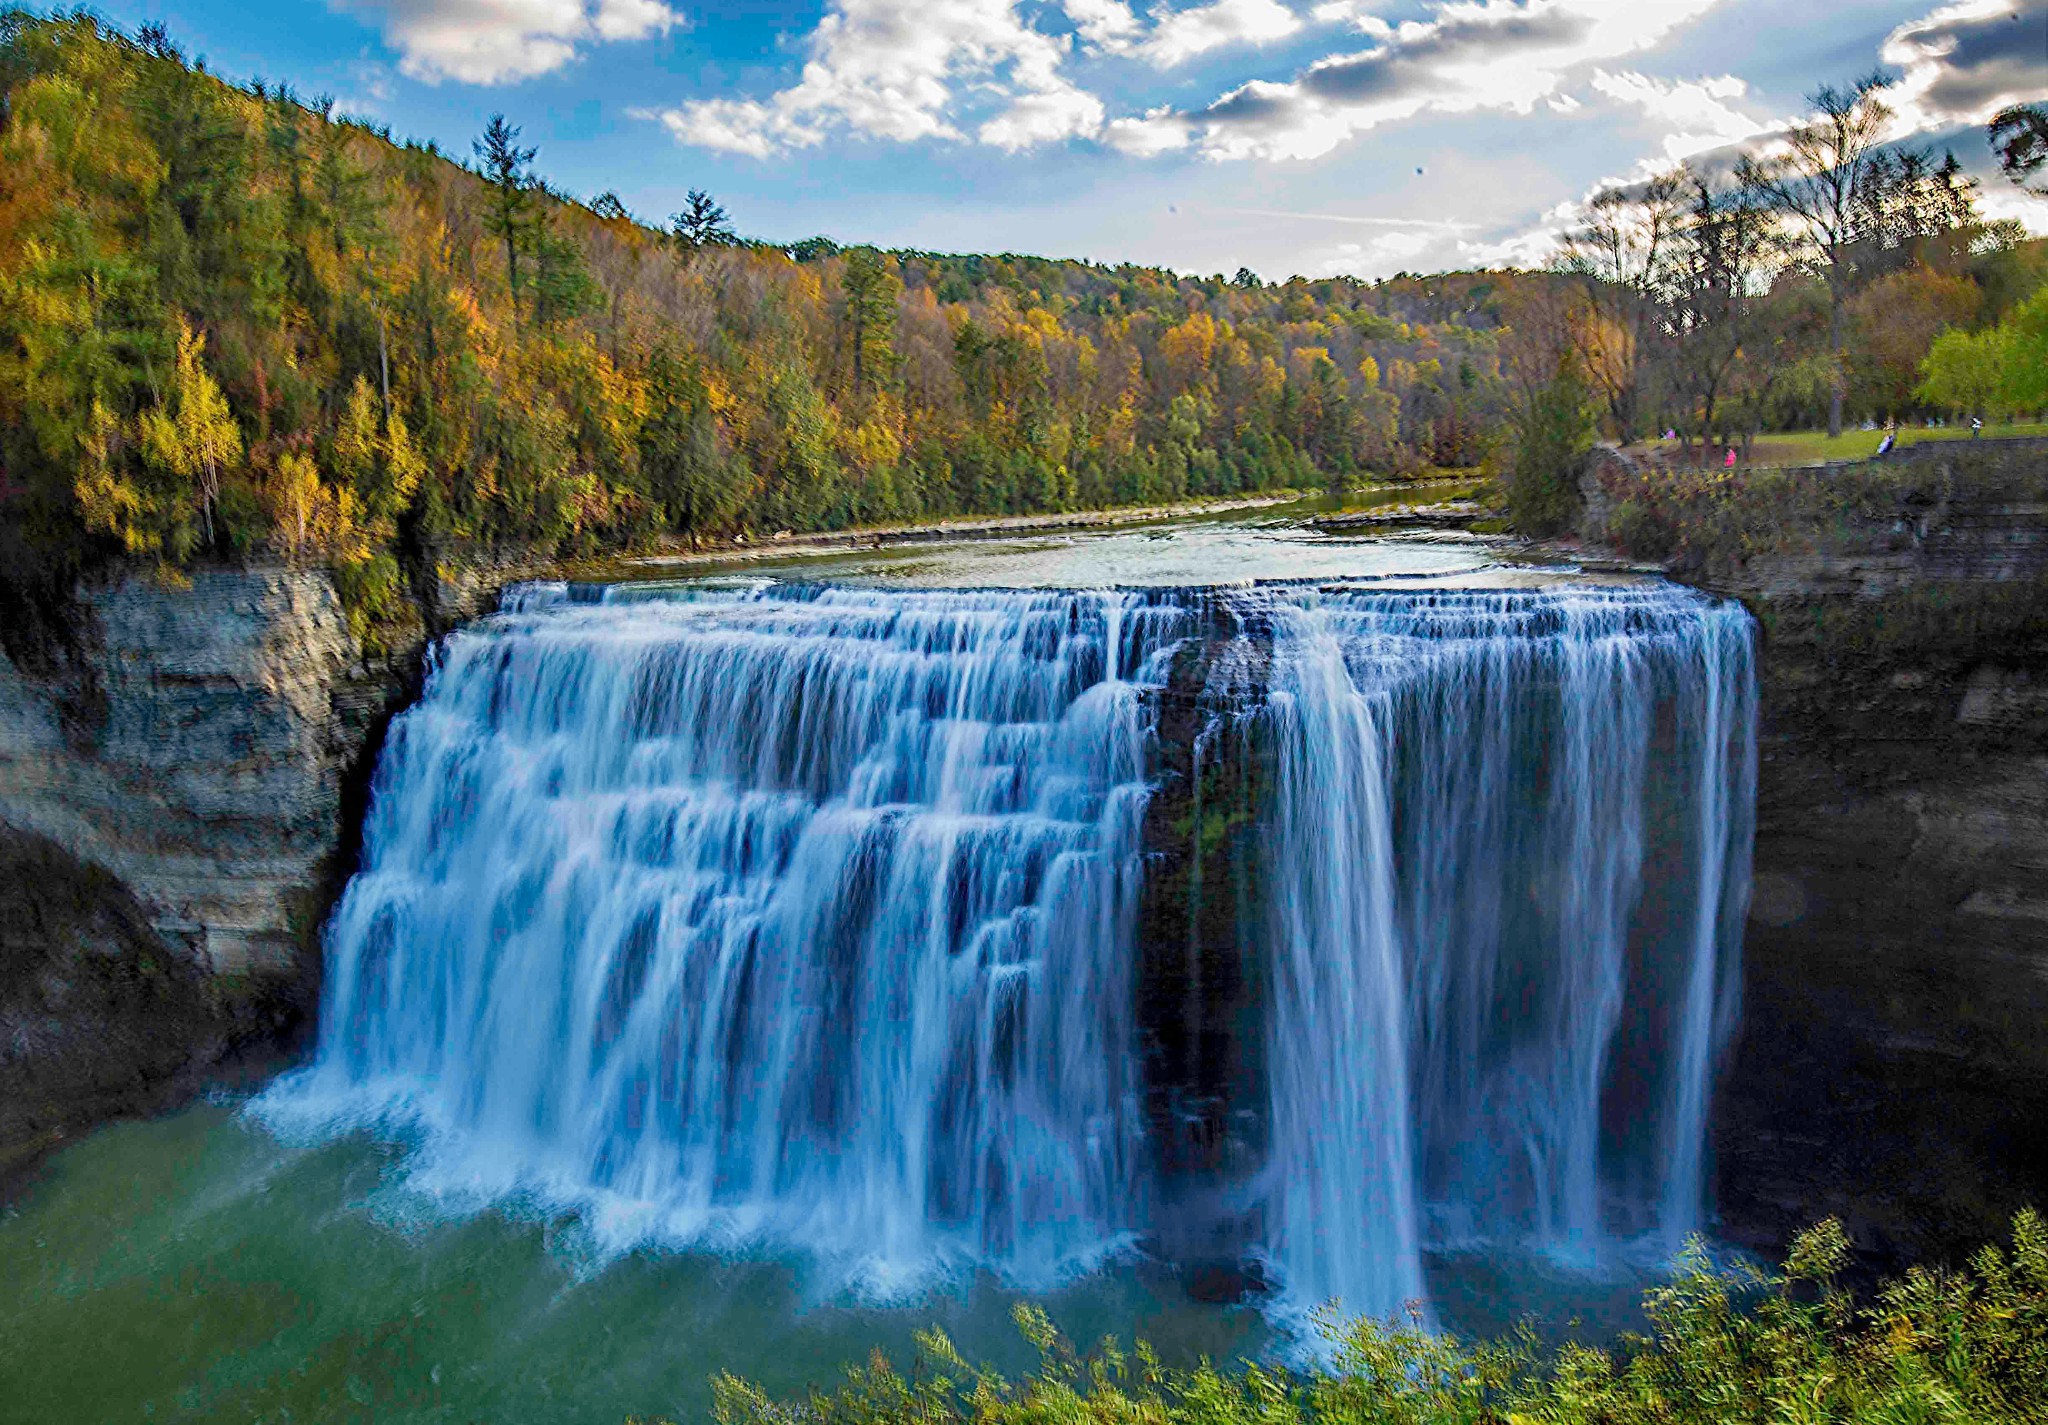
[[1893, 1061]]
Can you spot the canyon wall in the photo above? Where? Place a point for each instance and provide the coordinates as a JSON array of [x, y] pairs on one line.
[[1893, 1064], [182, 766]]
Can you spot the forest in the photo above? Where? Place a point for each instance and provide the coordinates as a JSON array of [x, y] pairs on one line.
[[236, 323]]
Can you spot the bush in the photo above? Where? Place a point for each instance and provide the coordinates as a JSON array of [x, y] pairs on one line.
[[1726, 1344], [1553, 434]]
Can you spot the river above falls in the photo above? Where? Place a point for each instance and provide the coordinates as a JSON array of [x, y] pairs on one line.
[[1227, 547]]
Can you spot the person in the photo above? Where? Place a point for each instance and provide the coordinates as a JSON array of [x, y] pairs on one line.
[[1976, 426], [1729, 463], [1884, 447]]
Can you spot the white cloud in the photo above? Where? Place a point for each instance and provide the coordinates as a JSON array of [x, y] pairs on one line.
[[1180, 35], [1108, 23], [1159, 131], [888, 69], [1470, 55], [1044, 116], [1381, 256], [1965, 62], [497, 41], [1695, 113]]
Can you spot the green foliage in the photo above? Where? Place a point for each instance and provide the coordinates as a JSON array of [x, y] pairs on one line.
[[1726, 1344], [1553, 433], [1999, 371]]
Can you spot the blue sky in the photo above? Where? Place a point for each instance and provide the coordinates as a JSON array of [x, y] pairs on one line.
[[1310, 136]]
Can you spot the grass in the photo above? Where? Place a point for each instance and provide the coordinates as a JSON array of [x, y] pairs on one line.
[[1812, 447]]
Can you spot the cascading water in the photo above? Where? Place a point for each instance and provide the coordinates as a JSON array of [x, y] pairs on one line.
[[806, 916], [1487, 1024], [789, 913]]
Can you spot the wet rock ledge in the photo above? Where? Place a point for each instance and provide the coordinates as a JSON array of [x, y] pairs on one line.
[[182, 770]]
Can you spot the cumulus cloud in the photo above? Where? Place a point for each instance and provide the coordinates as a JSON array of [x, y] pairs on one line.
[[1470, 55], [888, 69], [1180, 35], [497, 41]]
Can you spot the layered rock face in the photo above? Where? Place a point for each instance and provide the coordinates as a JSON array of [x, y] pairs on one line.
[[180, 768], [1893, 1065], [195, 748]]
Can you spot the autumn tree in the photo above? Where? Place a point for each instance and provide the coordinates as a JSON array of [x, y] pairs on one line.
[[191, 437], [1816, 182], [1622, 251]]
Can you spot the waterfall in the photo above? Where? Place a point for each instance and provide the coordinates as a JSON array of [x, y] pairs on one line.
[[1488, 1023], [799, 917], [797, 914]]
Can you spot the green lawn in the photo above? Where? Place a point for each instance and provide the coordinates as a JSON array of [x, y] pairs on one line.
[[1800, 447]]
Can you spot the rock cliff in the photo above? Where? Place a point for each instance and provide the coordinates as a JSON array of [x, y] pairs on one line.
[[182, 767], [1893, 1068]]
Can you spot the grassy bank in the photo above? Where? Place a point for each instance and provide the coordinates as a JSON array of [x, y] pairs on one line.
[[1814, 447], [1725, 1344]]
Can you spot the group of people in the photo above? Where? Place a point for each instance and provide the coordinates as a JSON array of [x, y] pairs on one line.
[[1884, 446]]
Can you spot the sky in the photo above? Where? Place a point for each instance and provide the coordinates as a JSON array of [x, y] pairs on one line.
[[1313, 137]]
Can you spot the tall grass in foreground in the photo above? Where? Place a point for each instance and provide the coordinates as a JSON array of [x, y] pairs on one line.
[[1726, 1343]]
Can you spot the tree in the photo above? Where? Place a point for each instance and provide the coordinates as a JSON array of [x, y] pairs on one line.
[[1622, 251], [1964, 373], [1553, 433], [1896, 320], [1718, 256], [193, 435], [2019, 136], [871, 287], [1815, 183], [511, 216], [701, 224]]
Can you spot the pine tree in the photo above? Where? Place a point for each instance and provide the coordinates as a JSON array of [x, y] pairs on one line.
[[512, 216]]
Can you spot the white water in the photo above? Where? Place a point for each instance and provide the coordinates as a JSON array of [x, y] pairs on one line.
[[803, 918], [1495, 1012]]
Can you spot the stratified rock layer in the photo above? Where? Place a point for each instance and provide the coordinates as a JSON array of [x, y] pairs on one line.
[[195, 747]]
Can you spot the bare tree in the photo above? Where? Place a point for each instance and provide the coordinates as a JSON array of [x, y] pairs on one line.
[[1622, 252], [1815, 182], [1720, 260]]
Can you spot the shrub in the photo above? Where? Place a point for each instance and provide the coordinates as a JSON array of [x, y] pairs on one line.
[[1727, 1343]]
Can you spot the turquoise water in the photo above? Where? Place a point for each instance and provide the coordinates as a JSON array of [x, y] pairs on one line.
[[194, 1268]]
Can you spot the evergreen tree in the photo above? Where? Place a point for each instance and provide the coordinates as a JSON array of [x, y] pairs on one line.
[[511, 214]]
